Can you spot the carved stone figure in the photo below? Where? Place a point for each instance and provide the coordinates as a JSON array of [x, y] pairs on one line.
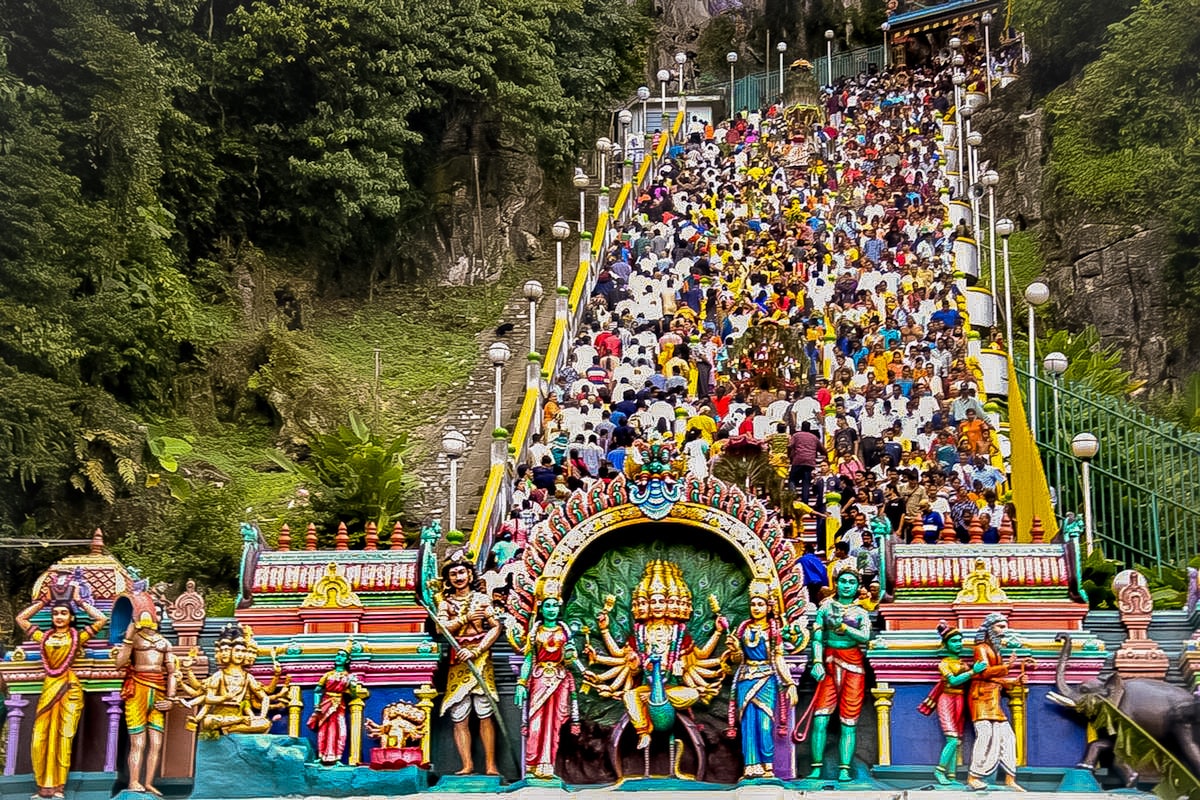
[[675, 671], [60, 705], [335, 689], [947, 698], [995, 742], [760, 705], [545, 687], [148, 690], [841, 631], [231, 700], [469, 617], [1166, 712]]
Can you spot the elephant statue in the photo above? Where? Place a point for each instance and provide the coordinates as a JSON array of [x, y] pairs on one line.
[[1165, 711]]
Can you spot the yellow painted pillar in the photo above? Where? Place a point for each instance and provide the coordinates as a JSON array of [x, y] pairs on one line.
[[1016, 703], [883, 695], [295, 703], [356, 726], [425, 695]]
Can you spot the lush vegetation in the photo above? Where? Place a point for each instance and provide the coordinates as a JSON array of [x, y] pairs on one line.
[[1124, 129], [188, 190]]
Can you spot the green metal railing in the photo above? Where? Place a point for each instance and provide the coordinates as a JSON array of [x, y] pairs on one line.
[[1145, 492], [755, 91]]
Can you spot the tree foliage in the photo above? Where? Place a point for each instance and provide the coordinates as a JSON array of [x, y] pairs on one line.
[[143, 144]]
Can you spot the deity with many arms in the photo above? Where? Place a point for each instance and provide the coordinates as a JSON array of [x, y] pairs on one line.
[[231, 700], [659, 648]]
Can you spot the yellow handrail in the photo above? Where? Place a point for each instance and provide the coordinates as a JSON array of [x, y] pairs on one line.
[[529, 404]]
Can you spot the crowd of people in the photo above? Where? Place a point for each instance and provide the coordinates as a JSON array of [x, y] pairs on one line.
[[790, 289]]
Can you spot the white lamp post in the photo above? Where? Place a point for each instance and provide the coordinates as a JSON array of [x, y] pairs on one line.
[[533, 292], [1036, 294], [681, 59], [560, 231], [829, 54], [664, 77], [974, 140], [1055, 365], [781, 48], [990, 179], [1005, 227], [603, 146], [1085, 446], [958, 79], [731, 57], [581, 181], [625, 117], [643, 94], [886, 27], [454, 444], [986, 19], [499, 354]]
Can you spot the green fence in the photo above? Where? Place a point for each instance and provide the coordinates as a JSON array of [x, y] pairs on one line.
[[1145, 478]]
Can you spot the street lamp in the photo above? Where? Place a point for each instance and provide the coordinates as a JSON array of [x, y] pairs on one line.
[[990, 179], [1036, 294], [974, 140], [829, 54], [1005, 227], [625, 117], [533, 292], [499, 354], [781, 48], [454, 444], [958, 79], [603, 146], [681, 59], [986, 19], [1085, 446], [664, 76], [886, 27], [731, 57], [560, 231], [1055, 365], [581, 181], [643, 94]]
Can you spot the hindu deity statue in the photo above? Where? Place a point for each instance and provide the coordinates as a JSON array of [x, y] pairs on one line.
[[841, 631], [335, 689], [60, 705], [470, 618], [947, 699], [148, 689], [758, 644], [674, 671], [230, 700], [995, 741], [545, 687]]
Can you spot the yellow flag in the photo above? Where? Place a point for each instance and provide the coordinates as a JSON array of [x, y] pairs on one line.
[[1030, 491]]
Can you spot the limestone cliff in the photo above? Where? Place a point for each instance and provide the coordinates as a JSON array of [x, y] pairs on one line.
[[1104, 269]]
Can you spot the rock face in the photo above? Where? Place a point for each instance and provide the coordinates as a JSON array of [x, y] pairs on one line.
[[486, 207], [1103, 269]]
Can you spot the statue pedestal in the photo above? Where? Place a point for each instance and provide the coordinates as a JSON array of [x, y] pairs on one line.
[[468, 784], [396, 757], [264, 765]]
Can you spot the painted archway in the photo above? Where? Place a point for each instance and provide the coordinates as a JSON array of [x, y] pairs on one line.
[[708, 504]]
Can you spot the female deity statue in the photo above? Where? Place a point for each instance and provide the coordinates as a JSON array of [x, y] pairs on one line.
[[60, 704], [675, 672], [946, 699], [333, 692], [546, 688], [757, 701]]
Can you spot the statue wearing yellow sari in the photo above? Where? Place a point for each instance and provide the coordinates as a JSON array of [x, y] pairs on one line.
[[60, 704]]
